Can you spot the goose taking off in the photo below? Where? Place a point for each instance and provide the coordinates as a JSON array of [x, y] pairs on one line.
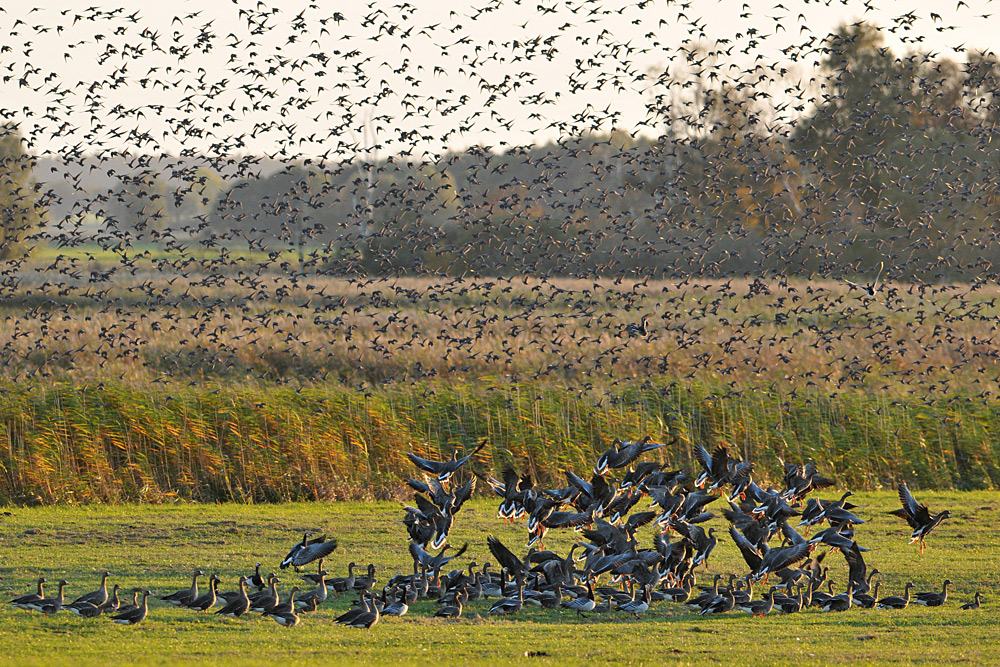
[[918, 516], [307, 551]]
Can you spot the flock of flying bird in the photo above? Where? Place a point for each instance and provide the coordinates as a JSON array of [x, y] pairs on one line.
[[600, 510]]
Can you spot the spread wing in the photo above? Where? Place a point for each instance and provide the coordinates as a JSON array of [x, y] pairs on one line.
[[425, 464], [750, 554]]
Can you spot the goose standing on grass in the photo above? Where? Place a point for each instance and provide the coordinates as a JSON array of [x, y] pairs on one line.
[[98, 597], [318, 576], [934, 599], [639, 606], [399, 607], [583, 604], [134, 604], [49, 605], [239, 605], [268, 598], [24, 600], [363, 617], [90, 610], [207, 600], [256, 580], [454, 610], [510, 605], [312, 599], [896, 601], [918, 516], [343, 584], [184, 597], [285, 618], [307, 551], [134, 616]]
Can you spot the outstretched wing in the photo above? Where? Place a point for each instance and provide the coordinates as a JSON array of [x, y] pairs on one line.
[[313, 552], [750, 554], [505, 556], [426, 465]]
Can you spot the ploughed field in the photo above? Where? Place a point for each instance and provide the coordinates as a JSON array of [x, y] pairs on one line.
[[157, 547]]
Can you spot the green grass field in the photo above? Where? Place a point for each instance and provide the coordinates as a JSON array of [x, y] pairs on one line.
[[157, 546]]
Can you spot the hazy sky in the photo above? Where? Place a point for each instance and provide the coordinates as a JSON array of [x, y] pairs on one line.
[[293, 78]]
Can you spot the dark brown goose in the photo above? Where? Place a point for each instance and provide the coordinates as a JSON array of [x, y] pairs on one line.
[[98, 597], [49, 605], [134, 616], [207, 600], [238, 605], [895, 601], [186, 596], [24, 600], [933, 599], [918, 516]]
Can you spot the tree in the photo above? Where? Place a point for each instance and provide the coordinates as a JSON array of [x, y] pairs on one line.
[[21, 209]]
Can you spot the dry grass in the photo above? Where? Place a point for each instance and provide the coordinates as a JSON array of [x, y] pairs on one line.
[[290, 388]]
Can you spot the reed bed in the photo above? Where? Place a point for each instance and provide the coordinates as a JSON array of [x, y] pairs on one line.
[[273, 388], [78, 444]]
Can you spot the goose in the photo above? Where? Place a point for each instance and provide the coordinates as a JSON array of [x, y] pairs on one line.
[[316, 577], [90, 610], [510, 605], [122, 608], [343, 584], [400, 606], [721, 605], [637, 607], [315, 597], [268, 598], [794, 604], [867, 600], [364, 617], [256, 580], [680, 594], [285, 606], [704, 543], [934, 599], [800, 480], [443, 469], [974, 604], [841, 602], [454, 610], [306, 551], [207, 600], [186, 596], [39, 594], [239, 605], [365, 583], [225, 597], [761, 607], [771, 560], [98, 597], [895, 601], [133, 616], [918, 516], [285, 618], [624, 453], [49, 605], [584, 604]]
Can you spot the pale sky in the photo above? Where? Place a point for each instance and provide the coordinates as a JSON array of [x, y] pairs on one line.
[[457, 76]]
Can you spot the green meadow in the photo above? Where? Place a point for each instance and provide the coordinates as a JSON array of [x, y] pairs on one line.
[[158, 546]]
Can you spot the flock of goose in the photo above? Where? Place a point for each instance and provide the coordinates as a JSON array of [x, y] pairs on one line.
[[600, 509]]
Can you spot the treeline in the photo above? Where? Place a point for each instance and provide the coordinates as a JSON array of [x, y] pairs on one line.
[[893, 158]]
